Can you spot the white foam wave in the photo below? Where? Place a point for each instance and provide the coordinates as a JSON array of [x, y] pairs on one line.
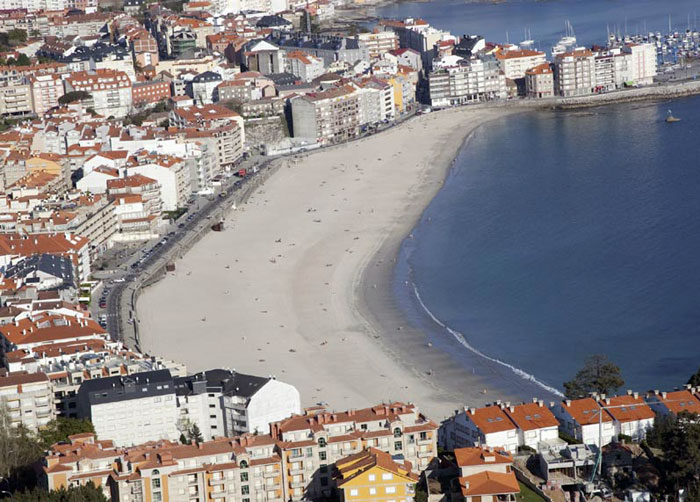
[[460, 338]]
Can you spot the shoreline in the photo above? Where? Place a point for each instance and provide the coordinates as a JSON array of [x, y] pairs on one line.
[[389, 364], [401, 364]]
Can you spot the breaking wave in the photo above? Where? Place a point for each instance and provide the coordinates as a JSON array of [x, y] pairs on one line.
[[462, 340]]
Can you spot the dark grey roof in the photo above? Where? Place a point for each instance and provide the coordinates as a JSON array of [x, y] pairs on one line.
[[283, 78], [466, 44], [272, 22], [207, 76], [316, 42], [232, 383], [97, 52], [55, 265], [125, 388]]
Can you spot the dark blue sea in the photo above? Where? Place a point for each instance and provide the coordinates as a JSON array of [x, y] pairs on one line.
[[564, 234], [545, 20]]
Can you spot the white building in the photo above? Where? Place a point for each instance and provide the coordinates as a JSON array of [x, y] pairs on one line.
[[28, 399], [514, 63], [110, 90], [171, 173], [488, 426], [574, 73], [642, 65], [585, 421], [131, 409], [537, 427], [458, 81], [225, 403], [633, 417]]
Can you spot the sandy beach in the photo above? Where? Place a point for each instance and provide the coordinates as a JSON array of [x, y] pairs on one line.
[[298, 285]]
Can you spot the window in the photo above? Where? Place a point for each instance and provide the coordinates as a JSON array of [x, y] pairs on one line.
[[397, 433], [423, 435], [309, 452], [353, 493], [324, 481], [372, 491], [324, 469], [157, 497], [244, 477], [243, 464], [398, 445], [155, 483], [245, 490], [372, 477], [322, 442], [387, 476], [390, 489], [322, 455]]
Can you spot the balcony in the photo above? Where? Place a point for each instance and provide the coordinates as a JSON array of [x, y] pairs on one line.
[[294, 472], [271, 474], [425, 441], [274, 486], [298, 484], [425, 454], [218, 495], [216, 482]]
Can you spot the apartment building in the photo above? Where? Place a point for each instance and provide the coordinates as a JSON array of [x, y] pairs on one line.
[[536, 424], [642, 63], [110, 90], [47, 328], [27, 399], [457, 81], [539, 81], [131, 409], [379, 43], [171, 173], [16, 100], [137, 184], [226, 403], [373, 476], [244, 469], [68, 364], [46, 89], [313, 441], [304, 65], [65, 244], [515, 63], [330, 116], [377, 100], [574, 73], [489, 426], [150, 92]]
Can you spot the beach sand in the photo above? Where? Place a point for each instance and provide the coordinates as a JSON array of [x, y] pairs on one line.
[[298, 285]]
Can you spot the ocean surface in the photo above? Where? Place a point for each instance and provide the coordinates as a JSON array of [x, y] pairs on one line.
[[545, 20], [564, 234]]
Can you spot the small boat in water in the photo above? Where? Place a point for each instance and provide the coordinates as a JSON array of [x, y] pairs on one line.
[[670, 118]]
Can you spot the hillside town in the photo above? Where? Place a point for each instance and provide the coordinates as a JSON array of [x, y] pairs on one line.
[[120, 119]]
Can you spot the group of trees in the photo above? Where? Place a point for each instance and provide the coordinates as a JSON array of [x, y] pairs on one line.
[[21, 449], [678, 438], [87, 493], [73, 97]]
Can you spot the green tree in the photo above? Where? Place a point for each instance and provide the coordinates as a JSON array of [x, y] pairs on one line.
[[19, 449], [87, 493], [74, 96], [194, 434], [597, 375], [58, 430], [17, 36]]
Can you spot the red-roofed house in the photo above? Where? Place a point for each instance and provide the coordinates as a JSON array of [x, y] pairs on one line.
[[487, 426], [584, 420], [536, 424], [675, 402], [486, 475], [633, 417]]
